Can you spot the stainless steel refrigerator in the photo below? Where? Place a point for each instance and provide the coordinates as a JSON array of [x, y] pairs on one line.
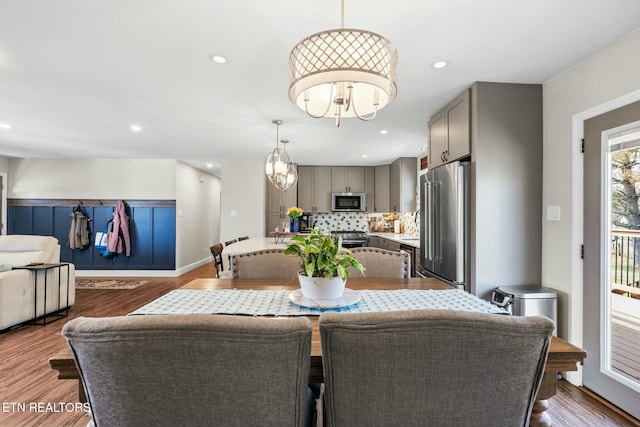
[[444, 223]]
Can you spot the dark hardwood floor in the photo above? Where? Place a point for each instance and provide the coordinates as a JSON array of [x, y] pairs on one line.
[[31, 395]]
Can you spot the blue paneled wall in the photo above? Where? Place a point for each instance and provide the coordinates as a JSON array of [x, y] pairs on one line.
[[152, 226]]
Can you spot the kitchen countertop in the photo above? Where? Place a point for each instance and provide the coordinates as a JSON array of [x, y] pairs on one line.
[[405, 239]]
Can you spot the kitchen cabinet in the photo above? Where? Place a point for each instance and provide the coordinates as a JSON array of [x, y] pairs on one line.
[[314, 188], [403, 181], [348, 179], [381, 198], [277, 204], [450, 132], [373, 241], [370, 187], [504, 224], [382, 243]]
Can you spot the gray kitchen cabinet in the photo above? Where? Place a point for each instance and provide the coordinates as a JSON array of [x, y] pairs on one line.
[[381, 198], [390, 245], [349, 179], [506, 185], [314, 188], [383, 243], [370, 187], [373, 241], [277, 204], [403, 181], [450, 132]]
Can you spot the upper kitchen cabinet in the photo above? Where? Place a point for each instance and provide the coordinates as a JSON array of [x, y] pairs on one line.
[[370, 187], [348, 179], [314, 188], [449, 132], [381, 189], [277, 204], [403, 182]]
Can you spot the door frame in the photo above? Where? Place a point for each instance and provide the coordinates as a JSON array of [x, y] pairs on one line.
[[575, 331], [3, 204]]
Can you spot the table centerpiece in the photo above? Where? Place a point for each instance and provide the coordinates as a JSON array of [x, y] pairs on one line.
[[324, 264]]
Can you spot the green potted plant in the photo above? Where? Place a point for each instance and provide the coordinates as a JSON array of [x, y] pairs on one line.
[[324, 263]]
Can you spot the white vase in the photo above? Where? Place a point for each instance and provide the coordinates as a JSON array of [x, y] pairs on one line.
[[321, 288]]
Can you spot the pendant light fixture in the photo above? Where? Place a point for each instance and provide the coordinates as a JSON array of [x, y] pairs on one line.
[[343, 73], [280, 169]]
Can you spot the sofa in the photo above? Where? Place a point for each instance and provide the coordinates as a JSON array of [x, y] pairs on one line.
[[17, 286]]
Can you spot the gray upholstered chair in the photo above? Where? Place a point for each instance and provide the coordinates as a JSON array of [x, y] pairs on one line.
[[383, 263], [265, 264], [432, 368], [193, 370]]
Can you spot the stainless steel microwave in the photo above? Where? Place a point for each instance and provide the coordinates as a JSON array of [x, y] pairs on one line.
[[348, 202]]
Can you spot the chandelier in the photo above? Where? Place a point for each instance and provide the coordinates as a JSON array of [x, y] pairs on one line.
[[343, 72], [280, 169]]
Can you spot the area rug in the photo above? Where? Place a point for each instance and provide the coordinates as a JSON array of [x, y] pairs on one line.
[[109, 283]]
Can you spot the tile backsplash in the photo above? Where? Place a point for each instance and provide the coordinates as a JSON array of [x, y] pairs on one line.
[[330, 221]]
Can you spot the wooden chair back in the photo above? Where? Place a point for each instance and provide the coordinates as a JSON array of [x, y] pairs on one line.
[[216, 251]]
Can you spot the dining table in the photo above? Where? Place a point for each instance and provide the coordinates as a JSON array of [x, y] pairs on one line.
[[563, 356], [277, 241]]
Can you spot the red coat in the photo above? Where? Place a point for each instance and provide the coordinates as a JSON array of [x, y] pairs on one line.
[[120, 227]]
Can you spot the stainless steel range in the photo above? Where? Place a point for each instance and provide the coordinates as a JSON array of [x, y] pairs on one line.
[[351, 238]]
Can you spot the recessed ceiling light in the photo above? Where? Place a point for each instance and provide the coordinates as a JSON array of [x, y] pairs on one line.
[[5, 126], [384, 132], [209, 165], [364, 156], [218, 59], [440, 64], [136, 128]]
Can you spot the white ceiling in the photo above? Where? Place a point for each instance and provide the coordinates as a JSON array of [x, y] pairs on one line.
[[76, 74]]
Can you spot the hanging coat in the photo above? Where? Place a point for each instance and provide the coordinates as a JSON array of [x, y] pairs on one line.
[[119, 239], [79, 230]]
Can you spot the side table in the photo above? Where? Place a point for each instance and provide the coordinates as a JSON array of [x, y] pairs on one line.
[[36, 268]]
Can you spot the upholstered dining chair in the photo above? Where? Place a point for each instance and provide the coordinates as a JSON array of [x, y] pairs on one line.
[[383, 263], [195, 370], [216, 251], [265, 264], [432, 368]]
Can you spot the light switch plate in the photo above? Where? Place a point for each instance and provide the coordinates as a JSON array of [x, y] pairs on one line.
[[553, 213]]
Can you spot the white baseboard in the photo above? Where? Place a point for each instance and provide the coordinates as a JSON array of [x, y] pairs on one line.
[[143, 273]]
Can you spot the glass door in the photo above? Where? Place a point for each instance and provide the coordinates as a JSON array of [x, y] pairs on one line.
[[611, 268]]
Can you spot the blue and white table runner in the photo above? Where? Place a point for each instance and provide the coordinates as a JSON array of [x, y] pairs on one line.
[[277, 303]]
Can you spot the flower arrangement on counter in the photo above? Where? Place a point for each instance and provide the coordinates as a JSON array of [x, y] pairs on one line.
[[294, 212]]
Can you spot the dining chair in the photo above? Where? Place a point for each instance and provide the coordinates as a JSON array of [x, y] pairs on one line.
[[265, 264], [227, 243], [383, 263], [196, 370], [432, 368], [243, 238], [216, 251]]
